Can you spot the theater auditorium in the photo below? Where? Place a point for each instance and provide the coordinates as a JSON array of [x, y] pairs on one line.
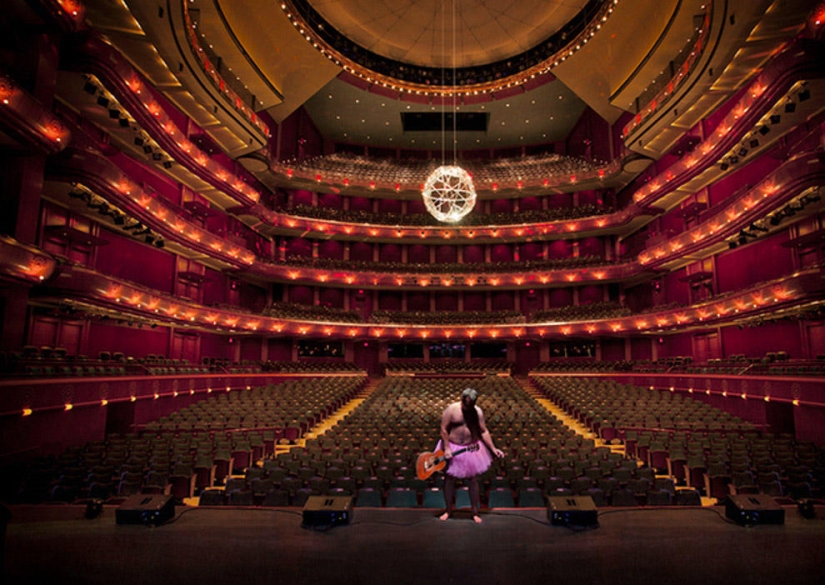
[[251, 252]]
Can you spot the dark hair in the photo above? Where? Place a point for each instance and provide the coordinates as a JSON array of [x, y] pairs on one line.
[[471, 420]]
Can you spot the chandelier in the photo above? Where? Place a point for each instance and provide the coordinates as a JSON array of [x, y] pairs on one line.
[[448, 192]]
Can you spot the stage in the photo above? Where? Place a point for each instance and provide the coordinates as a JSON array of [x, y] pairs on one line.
[[57, 544]]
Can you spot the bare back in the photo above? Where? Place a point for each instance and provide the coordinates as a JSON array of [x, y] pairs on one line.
[[453, 424]]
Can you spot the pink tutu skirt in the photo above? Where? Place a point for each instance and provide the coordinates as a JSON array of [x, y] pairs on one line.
[[469, 463]]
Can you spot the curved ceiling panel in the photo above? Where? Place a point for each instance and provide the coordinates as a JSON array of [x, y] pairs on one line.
[[437, 33]]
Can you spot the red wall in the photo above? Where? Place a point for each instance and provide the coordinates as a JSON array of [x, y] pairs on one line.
[[764, 259], [136, 261], [389, 253], [759, 340], [474, 254], [129, 340]]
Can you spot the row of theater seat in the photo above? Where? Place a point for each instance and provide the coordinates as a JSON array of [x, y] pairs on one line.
[[449, 268], [699, 446], [422, 219], [376, 444], [172, 456], [401, 418], [447, 366]]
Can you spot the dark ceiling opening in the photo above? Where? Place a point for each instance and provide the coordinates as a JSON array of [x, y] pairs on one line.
[[443, 121]]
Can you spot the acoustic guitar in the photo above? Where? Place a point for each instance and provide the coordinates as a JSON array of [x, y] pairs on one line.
[[428, 463]]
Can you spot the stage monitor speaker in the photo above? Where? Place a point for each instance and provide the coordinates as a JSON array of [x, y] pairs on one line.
[[572, 511], [148, 509], [327, 511], [751, 509]]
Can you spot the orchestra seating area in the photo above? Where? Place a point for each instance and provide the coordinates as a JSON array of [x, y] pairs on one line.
[[278, 445]]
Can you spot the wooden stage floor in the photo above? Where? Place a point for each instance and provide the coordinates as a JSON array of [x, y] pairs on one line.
[[696, 546]]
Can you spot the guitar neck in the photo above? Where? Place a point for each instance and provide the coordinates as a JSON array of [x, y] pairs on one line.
[[459, 452]]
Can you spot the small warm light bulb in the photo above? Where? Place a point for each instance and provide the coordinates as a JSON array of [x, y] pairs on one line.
[[27, 412], [67, 407]]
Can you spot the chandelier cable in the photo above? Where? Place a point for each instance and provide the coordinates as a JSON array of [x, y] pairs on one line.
[[443, 83], [455, 113]]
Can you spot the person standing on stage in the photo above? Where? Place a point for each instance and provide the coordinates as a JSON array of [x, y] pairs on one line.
[[462, 425]]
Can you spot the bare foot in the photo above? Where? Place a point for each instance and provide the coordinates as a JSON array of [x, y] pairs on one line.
[[444, 516], [477, 519]]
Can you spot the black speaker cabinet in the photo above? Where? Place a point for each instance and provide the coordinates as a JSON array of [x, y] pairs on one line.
[[327, 511], [572, 511], [751, 509], [149, 509]]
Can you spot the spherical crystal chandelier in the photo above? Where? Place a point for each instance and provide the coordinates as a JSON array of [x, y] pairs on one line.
[[449, 194]]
